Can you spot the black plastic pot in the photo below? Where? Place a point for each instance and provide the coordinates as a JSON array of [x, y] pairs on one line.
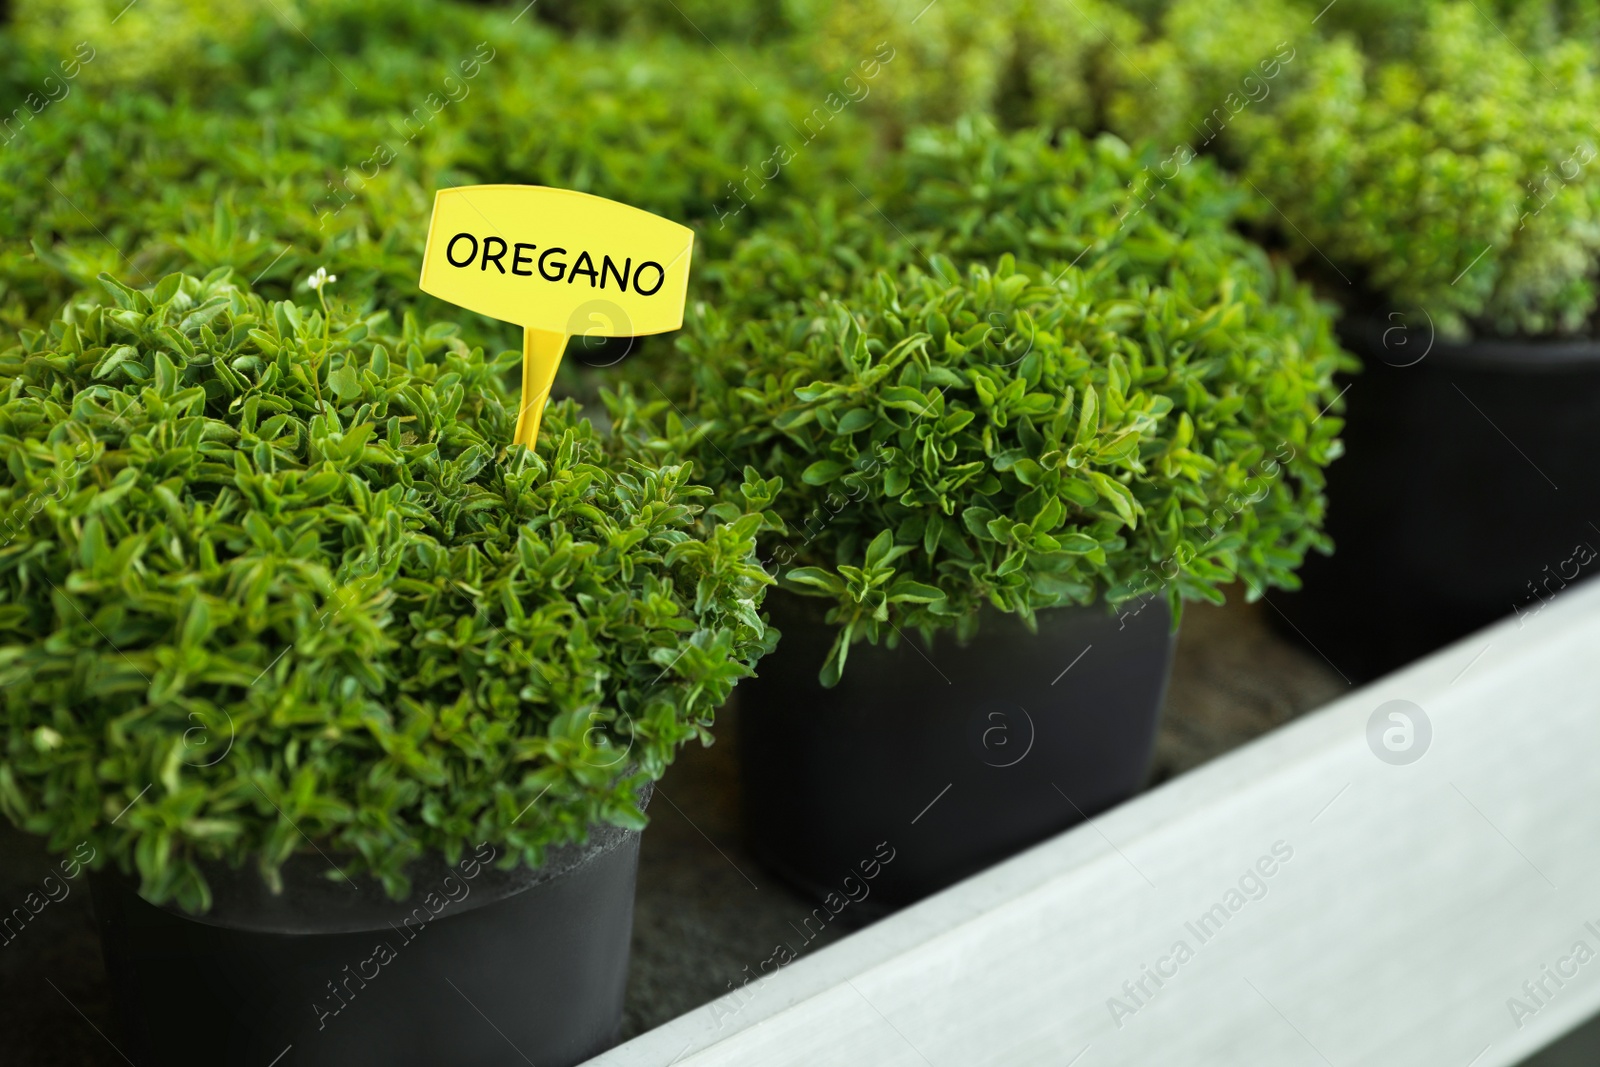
[[477, 967], [1468, 490], [946, 759]]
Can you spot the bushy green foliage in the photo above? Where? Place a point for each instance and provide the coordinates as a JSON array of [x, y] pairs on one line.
[[1202, 64], [270, 572], [1401, 141], [302, 162], [1026, 61], [1094, 390], [151, 43], [1460, 179], [1010, 370], [721, 21], [1393, 28]]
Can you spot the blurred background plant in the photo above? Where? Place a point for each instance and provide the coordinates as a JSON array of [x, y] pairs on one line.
[[337, 161], [1457, 177], [1401, 141], [1094, 390]]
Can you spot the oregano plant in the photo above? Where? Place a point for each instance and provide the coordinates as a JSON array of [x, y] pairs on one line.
[[270, 580], [1094, 391]]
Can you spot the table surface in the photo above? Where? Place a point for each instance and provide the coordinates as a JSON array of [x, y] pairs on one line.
[[1421, 893]]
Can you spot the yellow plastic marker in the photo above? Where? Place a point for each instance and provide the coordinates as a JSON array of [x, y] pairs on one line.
[[557, 263]]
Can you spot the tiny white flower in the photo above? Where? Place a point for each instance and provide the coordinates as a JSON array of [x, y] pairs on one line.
[[321, 278]]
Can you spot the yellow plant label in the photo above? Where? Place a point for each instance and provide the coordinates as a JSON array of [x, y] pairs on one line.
[[557, 263]]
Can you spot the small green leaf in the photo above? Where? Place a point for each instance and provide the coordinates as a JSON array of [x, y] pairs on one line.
[[166, 289], [857, 419], [114, 358], [822, 472], [912, 592], [344, 383], [818, 578], [1078, 543], [880, 550], [1088, 417], [1117, 495]]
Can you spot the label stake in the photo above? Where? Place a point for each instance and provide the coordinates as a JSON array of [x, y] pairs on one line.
[[558, 263]]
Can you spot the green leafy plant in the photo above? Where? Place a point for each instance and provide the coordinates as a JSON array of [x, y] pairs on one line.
[[1026, 62], [1095, 391], [1390, 29], [162, 41], [283, 165], [716, 20], [269, 577], [1201, 64], [1460, 178]]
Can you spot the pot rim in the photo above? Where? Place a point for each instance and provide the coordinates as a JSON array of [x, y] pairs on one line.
[[1366, 333], [312, 904]]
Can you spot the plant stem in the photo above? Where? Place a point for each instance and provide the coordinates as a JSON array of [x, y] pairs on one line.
[[316, 367]]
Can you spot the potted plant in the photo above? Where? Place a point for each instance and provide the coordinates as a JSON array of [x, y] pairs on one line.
[[355, 709], [1451, 195], [994, 481]]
